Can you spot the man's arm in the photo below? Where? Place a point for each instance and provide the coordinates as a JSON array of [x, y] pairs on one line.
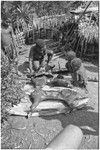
[[43, 62], [49, 55], [82, 79], [31, 59], [30, 65]]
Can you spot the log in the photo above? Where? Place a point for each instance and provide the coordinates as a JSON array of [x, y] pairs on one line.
[[68, 138]]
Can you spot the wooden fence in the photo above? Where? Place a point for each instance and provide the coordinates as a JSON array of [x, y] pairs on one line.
[[42, 28]]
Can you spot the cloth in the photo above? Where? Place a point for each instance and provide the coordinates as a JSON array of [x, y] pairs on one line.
[[9, 51]]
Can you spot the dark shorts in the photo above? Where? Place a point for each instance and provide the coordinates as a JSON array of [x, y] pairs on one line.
[[9, 51], [36, 64]]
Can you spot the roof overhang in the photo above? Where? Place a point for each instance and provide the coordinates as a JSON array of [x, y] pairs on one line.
[[81, 10]]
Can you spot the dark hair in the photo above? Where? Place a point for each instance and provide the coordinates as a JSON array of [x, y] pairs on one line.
[[76, 63], [4, 24], [62, 22], [40, 43], [70, 55]]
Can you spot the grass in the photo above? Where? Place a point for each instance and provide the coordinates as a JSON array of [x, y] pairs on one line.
[[89, 31]]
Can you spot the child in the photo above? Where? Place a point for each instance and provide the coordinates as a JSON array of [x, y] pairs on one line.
[[78, 74], [70, 55]]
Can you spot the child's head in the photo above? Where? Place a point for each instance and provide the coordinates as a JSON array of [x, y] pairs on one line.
[[70, 55], [76, 64]]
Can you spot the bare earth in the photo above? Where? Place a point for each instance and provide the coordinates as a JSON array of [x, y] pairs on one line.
[[37, 132]]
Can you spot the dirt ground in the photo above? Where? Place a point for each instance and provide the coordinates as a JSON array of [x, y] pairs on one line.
[[37, 132]]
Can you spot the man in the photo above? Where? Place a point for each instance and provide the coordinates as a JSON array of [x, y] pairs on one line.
[[7, 43], [39, 56]]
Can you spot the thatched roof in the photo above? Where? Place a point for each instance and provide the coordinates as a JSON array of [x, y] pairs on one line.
[[81, 10]]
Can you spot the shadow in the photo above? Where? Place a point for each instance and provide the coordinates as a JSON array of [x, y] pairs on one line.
[[23, 68], [92, 68], [95, 62], [88, 120], [91, 60], [61, 72]]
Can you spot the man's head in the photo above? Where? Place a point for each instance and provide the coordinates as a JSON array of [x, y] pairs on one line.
[[40, 44], [62, 22], [70, 55], [76, 64], [4, 24]]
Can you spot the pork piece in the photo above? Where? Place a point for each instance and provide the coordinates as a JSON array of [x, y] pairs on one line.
[[68, 97]]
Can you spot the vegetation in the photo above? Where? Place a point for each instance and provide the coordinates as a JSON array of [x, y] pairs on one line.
[[89, 29], [22, 11], [81, 36], [10, 86]]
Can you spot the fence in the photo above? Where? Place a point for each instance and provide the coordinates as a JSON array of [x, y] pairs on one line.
[[20, 40], [42, 28]]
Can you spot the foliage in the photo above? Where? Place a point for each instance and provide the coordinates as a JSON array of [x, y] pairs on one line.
[[21, 9], [10, 87], [16, 11], [89, 31], [5, 65], [89, 26]]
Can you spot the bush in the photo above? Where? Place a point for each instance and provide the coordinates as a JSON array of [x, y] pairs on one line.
[[5, 65], [89, 31], [10, 87]]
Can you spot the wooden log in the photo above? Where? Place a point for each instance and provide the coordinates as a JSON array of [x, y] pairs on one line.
[[69, 138]]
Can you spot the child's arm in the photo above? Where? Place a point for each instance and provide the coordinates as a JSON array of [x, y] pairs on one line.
[[82, 79], [68, 67], [31, 60]]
